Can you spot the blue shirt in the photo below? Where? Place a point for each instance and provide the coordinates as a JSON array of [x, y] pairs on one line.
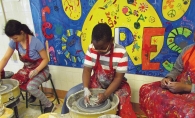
[[34, 47]]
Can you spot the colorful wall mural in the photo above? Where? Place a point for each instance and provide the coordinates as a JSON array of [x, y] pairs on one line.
[[153, 32]]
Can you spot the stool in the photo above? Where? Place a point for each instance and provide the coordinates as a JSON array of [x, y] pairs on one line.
[[55, 94]]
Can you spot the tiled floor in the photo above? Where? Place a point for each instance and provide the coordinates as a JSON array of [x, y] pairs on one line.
[[34, 111]]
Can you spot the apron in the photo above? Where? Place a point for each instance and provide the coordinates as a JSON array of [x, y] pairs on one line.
[[2, 74], [103, 78], [23, 74], [161, 103]]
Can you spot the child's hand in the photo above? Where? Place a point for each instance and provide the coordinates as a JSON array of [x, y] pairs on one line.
[[176, 87], [32, 73], [165, 82], [101, 98], [87, 94]]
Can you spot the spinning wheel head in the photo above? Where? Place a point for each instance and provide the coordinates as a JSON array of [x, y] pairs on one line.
[[93, 106]]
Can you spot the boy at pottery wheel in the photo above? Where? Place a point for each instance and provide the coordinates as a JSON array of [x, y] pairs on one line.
[[109, 62]]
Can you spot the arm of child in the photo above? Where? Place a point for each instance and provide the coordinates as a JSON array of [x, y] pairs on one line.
[[6, 58], [44, 63], [112, 87]]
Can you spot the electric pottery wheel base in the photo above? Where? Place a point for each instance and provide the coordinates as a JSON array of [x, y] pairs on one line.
[[109, 116], [9, 90], [2, 109], [77, 109]]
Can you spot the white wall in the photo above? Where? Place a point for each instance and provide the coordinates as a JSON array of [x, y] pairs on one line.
[[64, 77]]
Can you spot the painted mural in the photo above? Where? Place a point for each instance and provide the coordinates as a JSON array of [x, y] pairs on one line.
[[154, 32]]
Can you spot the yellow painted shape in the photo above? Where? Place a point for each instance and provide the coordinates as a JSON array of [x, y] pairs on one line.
[[78, 33], [72, 8], [64, 47], [99, 13], [112, 14], [122, 36], [146, 22], [73, 58], [67, 55], [68, 33], [64, 39], [174, 9]]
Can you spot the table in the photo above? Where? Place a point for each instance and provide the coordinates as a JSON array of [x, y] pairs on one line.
[[54, 115], [8, 113]]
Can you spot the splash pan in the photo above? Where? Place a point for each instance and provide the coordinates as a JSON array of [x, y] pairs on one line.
[[5, 88], [77, 109]]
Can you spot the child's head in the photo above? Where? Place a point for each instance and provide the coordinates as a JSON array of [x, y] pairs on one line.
[[15, 30], [102, 37], [102, 31]]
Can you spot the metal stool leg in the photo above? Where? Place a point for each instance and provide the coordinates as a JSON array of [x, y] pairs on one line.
[[22, 95], [56, 96], [41, 106], [16, 112], [26, 99], [42, 88]]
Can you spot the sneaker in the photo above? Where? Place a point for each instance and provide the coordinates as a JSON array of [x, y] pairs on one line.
[[31, 99], [49, 109]]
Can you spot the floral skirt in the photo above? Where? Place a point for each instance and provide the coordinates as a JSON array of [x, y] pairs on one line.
[[161, 103]]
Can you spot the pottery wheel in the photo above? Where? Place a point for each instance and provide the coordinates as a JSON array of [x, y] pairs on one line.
[[5, 87], [92, 108]]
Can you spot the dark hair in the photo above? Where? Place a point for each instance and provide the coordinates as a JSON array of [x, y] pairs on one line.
[[102, 31], [14, 27]]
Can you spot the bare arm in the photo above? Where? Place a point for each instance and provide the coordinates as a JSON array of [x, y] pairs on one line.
[[6, 58], [111, 88], [45, 60], [115, 84], [86, 76]]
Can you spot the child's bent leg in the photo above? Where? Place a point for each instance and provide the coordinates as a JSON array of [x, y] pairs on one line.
[[33, 89], [71, 91]]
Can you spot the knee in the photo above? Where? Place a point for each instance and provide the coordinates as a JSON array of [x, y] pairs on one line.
[[70, 92], [30, 87], [73, 90]]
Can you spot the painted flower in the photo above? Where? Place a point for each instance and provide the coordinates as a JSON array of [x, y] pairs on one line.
[[143, 7]]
